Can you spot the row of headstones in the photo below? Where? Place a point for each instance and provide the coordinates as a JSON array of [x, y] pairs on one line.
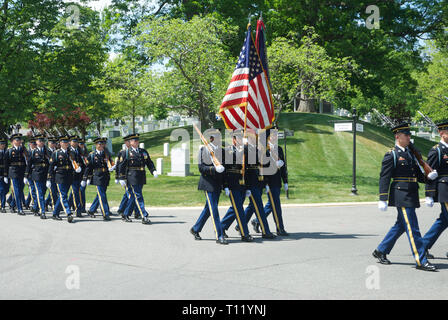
[[180, 160]]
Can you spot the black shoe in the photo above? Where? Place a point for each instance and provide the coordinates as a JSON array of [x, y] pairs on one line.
[[119, 211], [43, 216], [3, 210], [83, 211], [27, 208], [196, 234], [106, 218], [70, 218], [224, 234], [428, 255], [237, 228], [381, 257], [91, 214], [36, 214], [282, 233], [125, 218], [222, 241], [137, 216], [12, 210], [146, 220], [256, 226], [427, 267], [268, 236], [79, 215], [21, 213], [247, 238], [56, 217]]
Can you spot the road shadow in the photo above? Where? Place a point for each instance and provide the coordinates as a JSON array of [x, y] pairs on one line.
[[439, 266], [322, 235]]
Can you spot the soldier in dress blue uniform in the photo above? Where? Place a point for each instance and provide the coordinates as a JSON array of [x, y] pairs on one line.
[[211, 182], [15, 166], [30, 201], [4, 187], [235, 188], [84, 154], [37, 172], [62, 167], [52, 191], [97, 173], [127, 195], [75, 199], [437, 190], [273, 185], [401, 165], [132, 170]]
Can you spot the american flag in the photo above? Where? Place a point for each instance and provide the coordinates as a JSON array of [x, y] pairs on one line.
[[249, 88]]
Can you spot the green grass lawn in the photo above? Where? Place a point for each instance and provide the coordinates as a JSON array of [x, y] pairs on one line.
[[319, 164]]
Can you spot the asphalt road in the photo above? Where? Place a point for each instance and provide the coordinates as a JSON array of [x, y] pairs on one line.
[[327, 256]]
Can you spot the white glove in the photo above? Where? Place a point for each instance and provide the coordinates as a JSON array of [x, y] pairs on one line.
[[83, 184], [285, 186], [5, 180], [267, 189], [123, 183], [429, 201], [382, 205], [248, 193], [433, 175], [220, 168], [227, 191], [280, 163], [116, 181], [88, 181], [48, 184], [112, 168], [155, 174], [78, 170], [25, 181]]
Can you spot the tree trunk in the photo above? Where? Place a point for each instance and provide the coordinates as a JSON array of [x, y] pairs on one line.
[[98, 127], [133, 117], [306, 104]]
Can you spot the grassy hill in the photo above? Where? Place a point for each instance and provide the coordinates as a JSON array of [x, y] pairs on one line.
[[319, 164]]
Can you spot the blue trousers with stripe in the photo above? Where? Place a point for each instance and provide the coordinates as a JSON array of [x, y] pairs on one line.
[[53, 195], [41, 189], [274, 205], [406, 222], [83, 198], [437, 228], [4, 188], [62, 202], [101, 201], [75, 200], [31, 199], [211, 206], [19, 197], [136, 201], [236, 211], [256, 206]]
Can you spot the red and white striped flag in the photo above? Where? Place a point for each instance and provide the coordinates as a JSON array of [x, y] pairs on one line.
[[248, 92]]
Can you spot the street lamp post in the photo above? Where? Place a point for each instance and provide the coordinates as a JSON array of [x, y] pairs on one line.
[[354, 115]]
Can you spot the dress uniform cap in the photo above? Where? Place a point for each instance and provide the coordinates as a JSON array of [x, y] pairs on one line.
[[402, 128], [442, 126], [16, 136], [74, 138], [133, 136], [64, 139], [100, 140]]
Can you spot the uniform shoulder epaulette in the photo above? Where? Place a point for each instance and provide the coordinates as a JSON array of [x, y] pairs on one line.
[[390, 150], [435, 147]]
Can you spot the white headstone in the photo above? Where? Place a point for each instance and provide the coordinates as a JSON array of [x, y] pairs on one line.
[[166, 149], [180, 162], [159, 166], [185, 146]]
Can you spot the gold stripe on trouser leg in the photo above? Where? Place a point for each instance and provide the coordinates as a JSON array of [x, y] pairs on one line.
[[80, 197], [136, 201], [236, 213], [258, 214], [74, 200], [101, 202], [51, 196], [14, 195], [38, 196], [61, 200], [211, 214], [411, 237], [274, 210]]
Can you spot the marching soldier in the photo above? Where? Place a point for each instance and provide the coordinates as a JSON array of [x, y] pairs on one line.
[[75, 199], [255, 183], [273, 187], [401, 165], [132, 171], [97, 173], [62, 168], [211, 182], [37, 172], [235, 189], [4, 187], [15, 166], [437, 190], [84, 154], [52, 191], [30, 202]]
